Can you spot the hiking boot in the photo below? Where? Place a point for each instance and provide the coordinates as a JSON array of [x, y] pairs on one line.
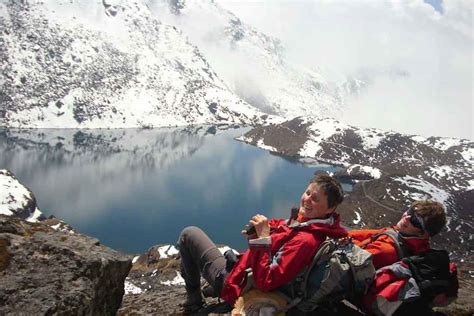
[[208, 291], [193, 302]]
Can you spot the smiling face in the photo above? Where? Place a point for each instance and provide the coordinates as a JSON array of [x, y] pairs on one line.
[[314, 202], [406, 227]]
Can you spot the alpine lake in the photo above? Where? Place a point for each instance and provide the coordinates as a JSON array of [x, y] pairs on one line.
[[135, 188]]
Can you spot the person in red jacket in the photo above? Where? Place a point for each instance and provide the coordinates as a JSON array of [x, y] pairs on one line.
[[389, 294], [421, 221], [278, 249]]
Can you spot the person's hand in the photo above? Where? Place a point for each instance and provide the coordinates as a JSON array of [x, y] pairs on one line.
[[260, 223]]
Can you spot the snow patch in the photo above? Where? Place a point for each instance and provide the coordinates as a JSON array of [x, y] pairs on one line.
[[373, 172], [262, 145], [178, 280], [310, 149], [440, 171], [446, 143], [244, 139], [131, 288], [167, 251], [468, 155], [358, 218], [4, 11], [419, 139], [14, 195], [471, 185], [320, 131], [34, 217], [429, 191], [56, 227], [371, 138], [388, 190]]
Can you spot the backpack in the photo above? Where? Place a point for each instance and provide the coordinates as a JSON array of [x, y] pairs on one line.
[[433, 273], [339, 270], [432, 269]]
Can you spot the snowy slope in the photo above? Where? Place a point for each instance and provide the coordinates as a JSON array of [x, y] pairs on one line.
[[263, 76], [94, 64], [446, 162]]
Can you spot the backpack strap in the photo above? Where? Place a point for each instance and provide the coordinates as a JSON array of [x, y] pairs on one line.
[[250, 282], [325, 248], [396, 237], [301, 281]]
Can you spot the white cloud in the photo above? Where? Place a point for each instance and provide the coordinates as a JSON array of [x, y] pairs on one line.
[[383, 38]]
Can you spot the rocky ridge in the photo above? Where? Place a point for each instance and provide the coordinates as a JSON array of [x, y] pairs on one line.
[[123, 68]]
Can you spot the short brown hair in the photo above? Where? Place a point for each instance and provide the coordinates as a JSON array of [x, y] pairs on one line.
[[331, 187], [433, 214]]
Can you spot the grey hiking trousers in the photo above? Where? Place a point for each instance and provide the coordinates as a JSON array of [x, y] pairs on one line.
[[200, 257]]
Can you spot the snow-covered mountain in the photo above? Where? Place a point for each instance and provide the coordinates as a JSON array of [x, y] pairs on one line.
[[99, 64], [390, 170], [153, 63], [255, 65]]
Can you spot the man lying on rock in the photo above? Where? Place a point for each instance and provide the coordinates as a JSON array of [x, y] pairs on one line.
[[391, 292], [277, 250]]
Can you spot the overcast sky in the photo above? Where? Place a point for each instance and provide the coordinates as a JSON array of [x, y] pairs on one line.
[[432, 42]]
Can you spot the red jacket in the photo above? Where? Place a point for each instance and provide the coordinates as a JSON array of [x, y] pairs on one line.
[[383, 248], [277, 259]]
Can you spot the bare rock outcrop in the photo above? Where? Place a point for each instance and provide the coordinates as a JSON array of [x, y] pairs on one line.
[[47, 271]]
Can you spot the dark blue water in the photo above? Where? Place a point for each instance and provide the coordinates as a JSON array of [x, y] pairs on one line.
[[132, 189]]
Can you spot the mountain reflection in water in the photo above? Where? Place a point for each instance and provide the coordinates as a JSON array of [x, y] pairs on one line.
[[135, 188]]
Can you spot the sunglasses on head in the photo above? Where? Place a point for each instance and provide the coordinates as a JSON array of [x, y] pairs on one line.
[[415, 219]]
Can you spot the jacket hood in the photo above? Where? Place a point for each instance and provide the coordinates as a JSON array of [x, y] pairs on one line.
[[415, 244], [330, 226]]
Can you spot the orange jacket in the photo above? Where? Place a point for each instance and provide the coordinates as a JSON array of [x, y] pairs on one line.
[[383, 249]]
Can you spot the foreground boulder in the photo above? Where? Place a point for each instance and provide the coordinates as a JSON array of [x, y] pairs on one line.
[[46, 271]]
